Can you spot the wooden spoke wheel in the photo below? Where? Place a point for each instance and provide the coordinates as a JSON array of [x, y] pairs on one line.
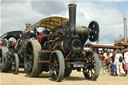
[[92, 71]]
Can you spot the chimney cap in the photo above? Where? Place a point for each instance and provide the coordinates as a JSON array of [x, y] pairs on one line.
[[72, 5], [27, 25]]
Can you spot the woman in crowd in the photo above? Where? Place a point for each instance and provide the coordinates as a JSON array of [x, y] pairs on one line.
[[118, 62]]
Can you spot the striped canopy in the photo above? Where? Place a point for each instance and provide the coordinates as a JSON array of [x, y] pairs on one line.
[[50, 23]]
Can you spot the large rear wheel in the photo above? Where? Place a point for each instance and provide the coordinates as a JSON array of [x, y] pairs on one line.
[[57, 66], [31, 58], [91, 72]]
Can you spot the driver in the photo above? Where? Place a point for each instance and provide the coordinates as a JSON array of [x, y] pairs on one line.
[[11, 44]]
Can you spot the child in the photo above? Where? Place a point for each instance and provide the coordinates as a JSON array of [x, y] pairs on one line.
[[104, 67]]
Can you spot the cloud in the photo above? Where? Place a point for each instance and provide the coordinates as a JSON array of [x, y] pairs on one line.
[[110, 20], [48, 8], [14, 16], [12, 1]]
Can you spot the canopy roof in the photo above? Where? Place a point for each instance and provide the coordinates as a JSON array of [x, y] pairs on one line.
[[11, 34], [50, 23]]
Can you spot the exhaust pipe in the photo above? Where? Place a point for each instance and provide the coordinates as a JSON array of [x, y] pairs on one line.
[[72, 16]]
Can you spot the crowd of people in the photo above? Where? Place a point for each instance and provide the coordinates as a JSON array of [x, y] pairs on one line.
[[115, 62]]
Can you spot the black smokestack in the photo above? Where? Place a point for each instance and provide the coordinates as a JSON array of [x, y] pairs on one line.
[[72, 16]]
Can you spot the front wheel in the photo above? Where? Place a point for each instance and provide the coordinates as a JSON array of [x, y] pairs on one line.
[[93, 69], [15, 64], [57, 66]]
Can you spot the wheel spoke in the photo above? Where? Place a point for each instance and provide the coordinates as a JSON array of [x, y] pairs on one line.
[[28, 54], [91, 74], [29, 59], [30, 50], [13, 65], [55, 61], [29, 67], [56, 66]]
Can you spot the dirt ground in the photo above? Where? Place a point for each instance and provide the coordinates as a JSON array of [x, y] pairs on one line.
[[76, 78]]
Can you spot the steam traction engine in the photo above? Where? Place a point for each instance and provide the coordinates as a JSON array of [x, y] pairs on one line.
[[10, 61], [59, 48]]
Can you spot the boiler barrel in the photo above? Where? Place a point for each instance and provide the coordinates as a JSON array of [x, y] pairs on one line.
[[81, 30]]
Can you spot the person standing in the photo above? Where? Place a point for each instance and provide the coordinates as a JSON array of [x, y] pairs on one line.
[[100, 57], [109, 61], [113, 70], [118, 61], [106, 59], [126, 59], [104, 67]]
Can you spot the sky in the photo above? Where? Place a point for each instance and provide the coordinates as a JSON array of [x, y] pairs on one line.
[[108, 13]]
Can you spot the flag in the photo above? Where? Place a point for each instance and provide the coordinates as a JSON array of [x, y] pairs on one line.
[[120, 35], [113, 37]]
